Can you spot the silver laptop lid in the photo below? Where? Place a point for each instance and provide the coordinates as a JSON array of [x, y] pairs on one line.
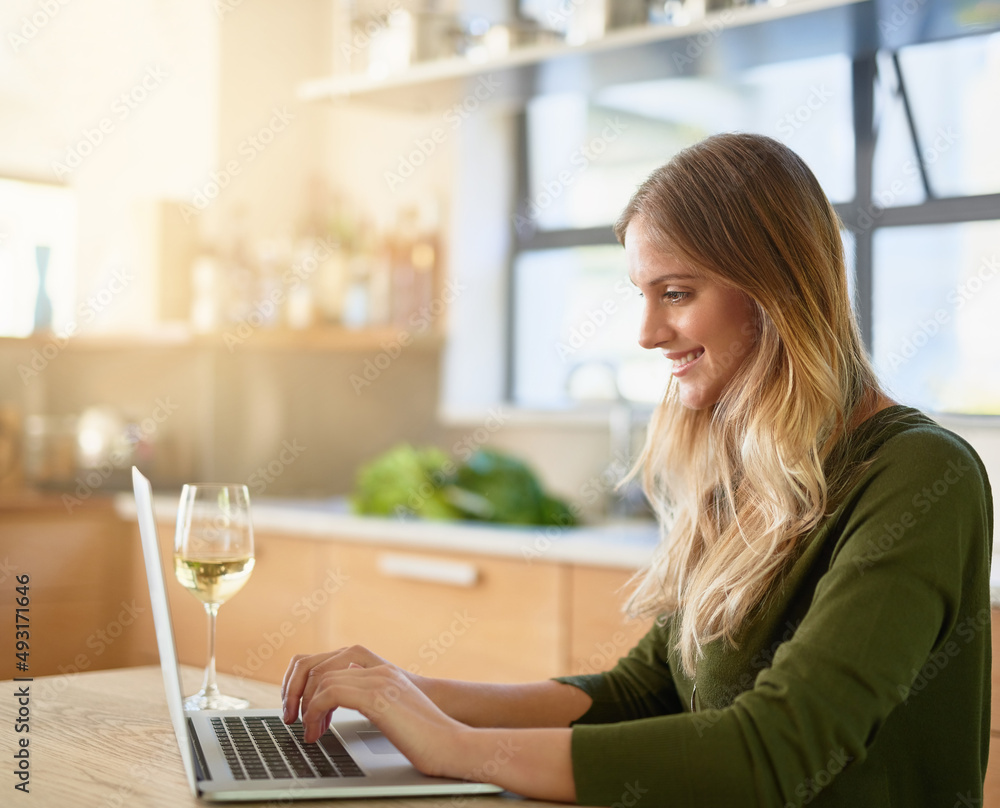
[[161, 620]]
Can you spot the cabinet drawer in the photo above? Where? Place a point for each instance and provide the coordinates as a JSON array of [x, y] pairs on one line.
[[599, 631], [448, 615], [991, 788], [995, 706]]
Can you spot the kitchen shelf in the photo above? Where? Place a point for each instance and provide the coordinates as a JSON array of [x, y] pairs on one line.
[[331, 338], [724, 41], [324, 338]]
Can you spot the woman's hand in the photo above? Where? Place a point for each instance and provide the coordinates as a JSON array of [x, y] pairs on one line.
[[533, 762], [360, 680], [299, 678]]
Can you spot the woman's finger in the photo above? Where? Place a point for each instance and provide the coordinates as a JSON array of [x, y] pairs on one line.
[[296, 679], [304, 671], [331, 693]]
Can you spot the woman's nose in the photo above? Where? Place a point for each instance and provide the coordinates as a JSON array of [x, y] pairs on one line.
[[654, 329]]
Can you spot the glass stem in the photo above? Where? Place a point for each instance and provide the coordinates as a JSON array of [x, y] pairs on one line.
[[210, 687]]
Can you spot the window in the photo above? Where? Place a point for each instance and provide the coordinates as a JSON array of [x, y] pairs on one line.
[[935, 227], [920, 201], [951, 92], [937, 343], [577, 309], [37, 243], [573, 306]]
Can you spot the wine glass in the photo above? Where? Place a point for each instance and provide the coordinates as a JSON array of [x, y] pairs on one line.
[[213, 558]]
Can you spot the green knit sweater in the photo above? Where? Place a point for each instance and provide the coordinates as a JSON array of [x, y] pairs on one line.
[[863, 681]]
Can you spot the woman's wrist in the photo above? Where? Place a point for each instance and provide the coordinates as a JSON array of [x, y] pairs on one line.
[[532, 762], [479, 754], [428, 686]]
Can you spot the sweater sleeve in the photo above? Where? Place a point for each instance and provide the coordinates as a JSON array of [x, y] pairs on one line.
[[910, 537], [639, 686]]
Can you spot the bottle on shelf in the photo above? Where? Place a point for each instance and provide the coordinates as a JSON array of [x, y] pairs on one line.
[[205, 292], [299, 286], [403, 272], [425, 256]]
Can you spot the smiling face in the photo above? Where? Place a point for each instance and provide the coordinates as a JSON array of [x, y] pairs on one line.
[[703, 326]]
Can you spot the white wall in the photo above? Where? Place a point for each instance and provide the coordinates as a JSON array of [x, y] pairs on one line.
[[62, 75]]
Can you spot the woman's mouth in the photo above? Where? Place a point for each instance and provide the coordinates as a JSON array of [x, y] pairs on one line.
[[682, 362]]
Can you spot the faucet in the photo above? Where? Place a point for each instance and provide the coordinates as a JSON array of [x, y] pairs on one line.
[[596, 380]]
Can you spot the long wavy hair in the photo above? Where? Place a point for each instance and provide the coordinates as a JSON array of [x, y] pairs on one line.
[[738, 485]]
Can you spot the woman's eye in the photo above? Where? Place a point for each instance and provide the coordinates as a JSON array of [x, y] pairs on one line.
[[673, 297]]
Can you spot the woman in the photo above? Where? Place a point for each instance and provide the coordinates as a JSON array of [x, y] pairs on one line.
[[823, 589]]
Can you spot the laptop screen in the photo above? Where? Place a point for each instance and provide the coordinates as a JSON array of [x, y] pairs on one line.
[[161, 620]]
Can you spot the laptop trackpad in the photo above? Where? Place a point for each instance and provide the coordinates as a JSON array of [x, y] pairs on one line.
[[377, 743]]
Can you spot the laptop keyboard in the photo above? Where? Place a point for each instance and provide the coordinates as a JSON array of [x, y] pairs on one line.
[[265, 748]]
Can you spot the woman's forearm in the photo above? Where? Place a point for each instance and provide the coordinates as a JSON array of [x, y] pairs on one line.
[[535, 763], [536, 704]]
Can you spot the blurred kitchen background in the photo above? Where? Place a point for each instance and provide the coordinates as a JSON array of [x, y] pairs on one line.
[[268, 241]]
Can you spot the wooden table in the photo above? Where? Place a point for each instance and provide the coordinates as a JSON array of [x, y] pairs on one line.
[[104, 740]]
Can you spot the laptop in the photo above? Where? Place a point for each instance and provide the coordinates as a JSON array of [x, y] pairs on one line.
[[249, 755]]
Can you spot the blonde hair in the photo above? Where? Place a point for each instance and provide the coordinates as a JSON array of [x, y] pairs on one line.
[[738, 485]]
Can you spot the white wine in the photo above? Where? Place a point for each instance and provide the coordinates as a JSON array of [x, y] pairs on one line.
[[213, 580]]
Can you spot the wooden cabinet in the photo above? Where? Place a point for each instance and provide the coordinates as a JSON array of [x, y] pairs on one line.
[[599, 633], [991, 796], [450, 615], [82, 608], [443, 614]]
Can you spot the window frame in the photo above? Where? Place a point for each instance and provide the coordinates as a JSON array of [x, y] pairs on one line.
[[861, 216]]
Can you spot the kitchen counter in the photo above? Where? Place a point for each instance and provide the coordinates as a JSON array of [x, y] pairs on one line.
[[626, 545]]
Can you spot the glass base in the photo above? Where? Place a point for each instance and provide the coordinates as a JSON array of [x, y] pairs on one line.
[[215, 701]]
